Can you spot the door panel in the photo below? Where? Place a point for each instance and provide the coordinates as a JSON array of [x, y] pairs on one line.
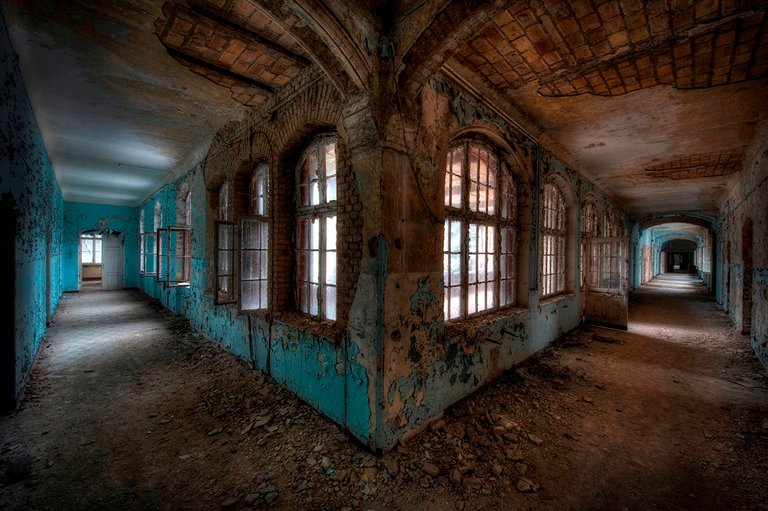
[[112, 263], [606, 291]]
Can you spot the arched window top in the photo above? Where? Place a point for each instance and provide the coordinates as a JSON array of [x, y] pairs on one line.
[[553, 211], [259, 190], [477, 182], [612, 224], [317, 173], [224, 202]]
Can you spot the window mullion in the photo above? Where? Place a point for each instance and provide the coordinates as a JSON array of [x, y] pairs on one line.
[[321, 270], [465, 176]]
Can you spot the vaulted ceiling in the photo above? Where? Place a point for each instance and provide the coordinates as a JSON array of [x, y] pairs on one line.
[[657, 101]]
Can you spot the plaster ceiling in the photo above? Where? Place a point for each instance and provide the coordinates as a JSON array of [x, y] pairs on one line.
[[118, 115]]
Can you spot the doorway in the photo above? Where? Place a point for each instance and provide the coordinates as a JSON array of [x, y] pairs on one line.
[[101, 260], [746, 256]]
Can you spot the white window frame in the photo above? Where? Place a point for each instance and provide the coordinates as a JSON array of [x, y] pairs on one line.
[[316, 289]]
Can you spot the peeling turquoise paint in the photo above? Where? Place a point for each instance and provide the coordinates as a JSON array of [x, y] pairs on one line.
[[28, 182]]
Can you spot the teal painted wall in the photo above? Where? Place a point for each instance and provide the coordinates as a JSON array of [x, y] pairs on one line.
[[27, 180], [321, 371], [81, 216]]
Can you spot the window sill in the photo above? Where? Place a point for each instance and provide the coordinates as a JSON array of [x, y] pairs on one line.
[[325, 329], [463, 326], [555, 298]]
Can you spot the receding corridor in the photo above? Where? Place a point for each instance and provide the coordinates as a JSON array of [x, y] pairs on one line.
[[130, 410]]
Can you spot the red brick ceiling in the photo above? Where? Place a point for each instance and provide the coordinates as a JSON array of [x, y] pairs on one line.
[[615, 47]]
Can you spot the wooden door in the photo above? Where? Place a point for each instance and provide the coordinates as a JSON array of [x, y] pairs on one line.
[[606, 300]]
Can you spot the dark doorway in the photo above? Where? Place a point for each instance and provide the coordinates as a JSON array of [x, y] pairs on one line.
[[746, 256], [680, 255], [7, 330]]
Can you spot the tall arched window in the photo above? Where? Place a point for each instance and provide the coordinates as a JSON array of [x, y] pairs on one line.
[[316, 230], [589, 229], [254, 243], [554, 234], [480, 233]]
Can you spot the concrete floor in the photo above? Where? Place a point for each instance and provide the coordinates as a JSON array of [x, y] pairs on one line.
[[128, 409]]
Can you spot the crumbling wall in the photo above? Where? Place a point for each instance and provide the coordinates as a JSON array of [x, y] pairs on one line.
[[430, 364], [746, 203], [81, 216], [27, 182], [326, 365]]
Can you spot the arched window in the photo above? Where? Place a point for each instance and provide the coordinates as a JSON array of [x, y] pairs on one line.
[[316, 230], [480, 233], [224, 248], [589, 229], [554, 233], [254, 244]]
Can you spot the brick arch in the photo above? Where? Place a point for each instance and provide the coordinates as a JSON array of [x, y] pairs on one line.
[[512, 153], [441, 37]]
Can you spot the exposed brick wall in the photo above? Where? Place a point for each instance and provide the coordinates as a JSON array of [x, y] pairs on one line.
[[278, 134]]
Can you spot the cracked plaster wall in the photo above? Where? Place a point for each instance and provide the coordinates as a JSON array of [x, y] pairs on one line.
[[747, 200]]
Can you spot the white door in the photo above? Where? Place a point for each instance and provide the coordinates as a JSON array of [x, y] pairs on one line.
[[112, 263]]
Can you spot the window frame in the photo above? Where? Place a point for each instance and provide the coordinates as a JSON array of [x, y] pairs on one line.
[[93, 238], [556, 234], [223, 221], [308, 213], [258, 217], [142, 218], [504, 220], [149, 240], [219, 225], [186, 255]]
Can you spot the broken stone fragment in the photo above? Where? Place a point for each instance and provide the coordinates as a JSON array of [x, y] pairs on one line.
[[524, 485], [430, 469], [535, 439], [455, 476]]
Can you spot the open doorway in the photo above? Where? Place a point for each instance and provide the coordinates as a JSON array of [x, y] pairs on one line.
[[746, 255], [101, 261]]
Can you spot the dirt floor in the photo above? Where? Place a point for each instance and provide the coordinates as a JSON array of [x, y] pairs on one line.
[[144, 414]]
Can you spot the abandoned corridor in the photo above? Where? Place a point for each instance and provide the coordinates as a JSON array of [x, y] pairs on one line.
[[128, 409]]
